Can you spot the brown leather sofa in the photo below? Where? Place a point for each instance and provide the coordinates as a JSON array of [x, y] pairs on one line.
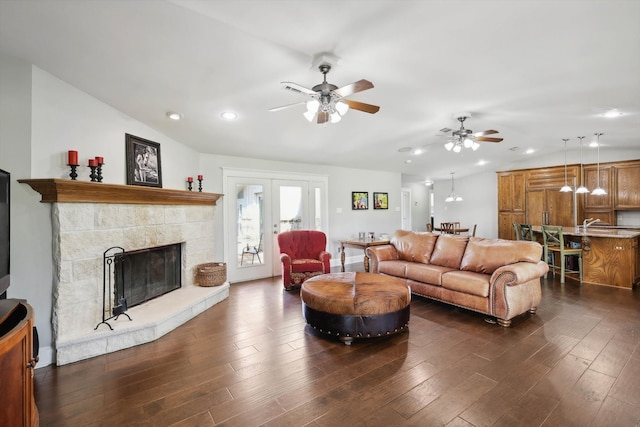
[[500, 278]]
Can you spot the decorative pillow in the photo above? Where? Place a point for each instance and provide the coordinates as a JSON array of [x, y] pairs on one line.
[[487, 255], [449, 250], [414, 246]]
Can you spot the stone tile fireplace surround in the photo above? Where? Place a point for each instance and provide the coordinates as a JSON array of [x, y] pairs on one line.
[[87, 219]]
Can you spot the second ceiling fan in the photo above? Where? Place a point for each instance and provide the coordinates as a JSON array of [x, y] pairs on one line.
[[466, 138], [328, 102]]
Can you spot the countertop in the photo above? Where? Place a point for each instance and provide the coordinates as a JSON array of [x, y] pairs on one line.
[[592, 231]]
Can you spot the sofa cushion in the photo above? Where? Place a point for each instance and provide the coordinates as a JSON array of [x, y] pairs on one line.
[[467, 282], [413, 246], [393, 268], [449, 250], [487, 255], [427, 273]]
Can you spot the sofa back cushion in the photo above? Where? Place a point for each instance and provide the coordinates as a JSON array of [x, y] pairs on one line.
[[487, 255], [449, 250], [413, 246]]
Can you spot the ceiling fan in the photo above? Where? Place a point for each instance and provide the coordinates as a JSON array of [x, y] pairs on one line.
[[466, 138], [328, 101]]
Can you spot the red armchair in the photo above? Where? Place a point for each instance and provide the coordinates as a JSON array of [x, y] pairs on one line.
[[303, 255]]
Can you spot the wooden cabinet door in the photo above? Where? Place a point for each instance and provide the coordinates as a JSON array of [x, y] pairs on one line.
[[549, 205], [627, 185], [505, 224], [511, 187], [560, 208], [536, 206], [591, 181]]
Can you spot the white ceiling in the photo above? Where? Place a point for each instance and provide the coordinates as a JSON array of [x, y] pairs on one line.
[[537, 71]]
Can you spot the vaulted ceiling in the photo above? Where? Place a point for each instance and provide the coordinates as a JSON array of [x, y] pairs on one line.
[[536, 71]]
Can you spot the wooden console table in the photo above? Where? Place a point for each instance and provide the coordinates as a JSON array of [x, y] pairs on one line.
[[364, 244]]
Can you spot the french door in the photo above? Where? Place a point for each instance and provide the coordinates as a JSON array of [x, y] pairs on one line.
[[257, 209]]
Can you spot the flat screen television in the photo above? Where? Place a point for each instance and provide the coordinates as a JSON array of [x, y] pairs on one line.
[[5, 180]]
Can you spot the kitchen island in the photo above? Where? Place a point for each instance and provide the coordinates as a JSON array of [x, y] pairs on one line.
[[610, 255]]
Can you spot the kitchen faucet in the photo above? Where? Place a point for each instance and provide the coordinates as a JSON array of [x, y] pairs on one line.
[[586, 222]]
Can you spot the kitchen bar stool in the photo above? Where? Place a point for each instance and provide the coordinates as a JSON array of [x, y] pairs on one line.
[[554, 244]]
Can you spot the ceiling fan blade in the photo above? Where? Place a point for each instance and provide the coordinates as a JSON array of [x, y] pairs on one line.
[[294, 87], [354, 87], [323, 117], [361, 106], [282, 107], [486, 132], [488, 139]]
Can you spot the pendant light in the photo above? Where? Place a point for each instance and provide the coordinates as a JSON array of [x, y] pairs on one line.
[[453, 197], [566, 188], [598, 191], [582, 189]]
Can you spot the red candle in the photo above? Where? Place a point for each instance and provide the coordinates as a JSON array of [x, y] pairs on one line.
[[190, 179], [93, 162], [73, 157], [100, 160], [200, 177]]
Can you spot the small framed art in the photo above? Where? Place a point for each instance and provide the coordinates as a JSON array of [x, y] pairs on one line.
[[359, 200], [380, 200], [143, 162]]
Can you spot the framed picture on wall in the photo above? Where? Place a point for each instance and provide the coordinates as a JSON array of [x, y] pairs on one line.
[[143, 162], [359, 200], [380, 200]]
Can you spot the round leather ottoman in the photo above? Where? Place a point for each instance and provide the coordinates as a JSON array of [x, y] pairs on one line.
[[356, 305]]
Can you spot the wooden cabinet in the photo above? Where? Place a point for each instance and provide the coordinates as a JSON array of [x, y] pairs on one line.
[[550, 206], [511, 202], [611, 261], [592, 202], [627, 186], [17, 364]]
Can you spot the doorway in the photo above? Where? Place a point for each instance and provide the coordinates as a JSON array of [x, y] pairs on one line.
[[258, 208]]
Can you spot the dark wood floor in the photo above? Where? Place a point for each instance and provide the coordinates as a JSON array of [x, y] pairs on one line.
[[250, 360]]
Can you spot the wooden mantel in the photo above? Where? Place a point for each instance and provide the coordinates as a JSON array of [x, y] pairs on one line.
[[55, 190]]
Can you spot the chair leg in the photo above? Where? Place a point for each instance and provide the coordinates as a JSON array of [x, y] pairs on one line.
[[563, 261], [580, 266], [259, 260]]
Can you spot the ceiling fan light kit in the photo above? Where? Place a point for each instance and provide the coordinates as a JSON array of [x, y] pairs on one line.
[[465, 138], [328, 102]]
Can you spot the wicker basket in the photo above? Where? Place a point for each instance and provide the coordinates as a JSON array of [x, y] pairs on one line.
[[211, 274]]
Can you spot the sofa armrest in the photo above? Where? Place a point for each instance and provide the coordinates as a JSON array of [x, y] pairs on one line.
[[519, 272], [380, 253]]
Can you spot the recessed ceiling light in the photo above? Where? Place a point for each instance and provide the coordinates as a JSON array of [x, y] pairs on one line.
[[418, 151], [529, 151], [612, 113], [482, 162], [173, 115], [408, 161], [229, 115]]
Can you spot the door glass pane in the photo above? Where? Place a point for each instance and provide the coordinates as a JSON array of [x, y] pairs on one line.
[[250, 214], [290, 208]]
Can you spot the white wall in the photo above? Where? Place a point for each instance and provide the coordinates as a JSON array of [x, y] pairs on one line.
[[342, 181], [479, 205]]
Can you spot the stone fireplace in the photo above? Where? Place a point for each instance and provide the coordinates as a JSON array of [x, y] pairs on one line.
[[89, 218]]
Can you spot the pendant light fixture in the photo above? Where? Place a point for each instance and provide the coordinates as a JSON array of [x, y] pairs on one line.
[[453, 197], [582, 189], [566, 188], [598, 191]]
